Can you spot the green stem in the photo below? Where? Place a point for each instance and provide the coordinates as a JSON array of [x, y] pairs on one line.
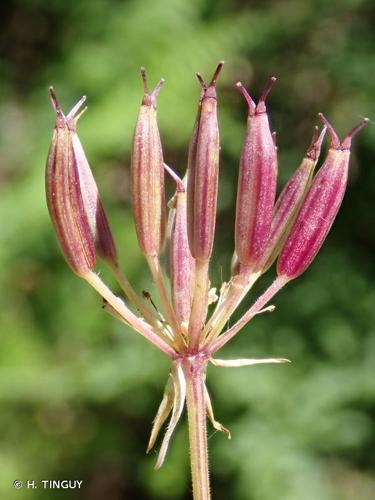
[[239, 287], [134, 298], [120, 308], [195, 370], [157, 275], [199, 305], [272, 290], [132, 295]]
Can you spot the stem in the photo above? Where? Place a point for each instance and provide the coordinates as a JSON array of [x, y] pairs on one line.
[[149, 316], [132, 294], [272, 290], [199, 305], [195, 371], [157, 275], [239, 287], [137, 323]]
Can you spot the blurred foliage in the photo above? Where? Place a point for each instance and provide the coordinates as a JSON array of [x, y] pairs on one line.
[[78, 391]]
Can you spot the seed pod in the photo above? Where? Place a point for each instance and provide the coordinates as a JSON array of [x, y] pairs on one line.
[[320, 207], [64, 194], [291, 198], [147, 172], [256, 183], [182, 263], [96, 216], [191, 171], [203, 172]]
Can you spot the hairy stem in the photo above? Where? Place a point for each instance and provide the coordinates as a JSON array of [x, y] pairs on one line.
[[120, 308], [136, 300], [132, 295], [199, 305], [195, 370], [238, 288], [157, 275], [272, 290]]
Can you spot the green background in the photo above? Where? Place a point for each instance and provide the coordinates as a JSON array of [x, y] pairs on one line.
[[78, 391]]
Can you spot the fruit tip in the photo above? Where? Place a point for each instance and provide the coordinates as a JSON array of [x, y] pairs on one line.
[[76, 109], [251, 104], [215, 76], [144, 79], [201, 81], [346, 143], [335, 141], [313, 150], [271, 82], [156, 90], [55, 101]]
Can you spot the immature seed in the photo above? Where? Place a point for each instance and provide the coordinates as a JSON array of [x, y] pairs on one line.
[[203, 172], [291, 198], [147, 173], [319, 208], [256, 183], [64, 194]]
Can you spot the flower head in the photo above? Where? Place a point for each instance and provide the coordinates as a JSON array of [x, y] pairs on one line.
[[292, 229]]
